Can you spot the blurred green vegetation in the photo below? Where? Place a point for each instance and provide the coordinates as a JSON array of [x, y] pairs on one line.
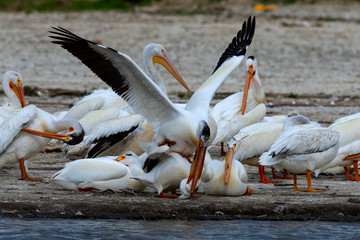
[[70, 5]]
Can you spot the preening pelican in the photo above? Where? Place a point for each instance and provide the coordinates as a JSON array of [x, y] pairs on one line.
[[20, 143], [256, 139], [302, 147], [94, 110], [349, 145], [225, 178], [183, 130], [242, 108], [167, 174], [101, 174]]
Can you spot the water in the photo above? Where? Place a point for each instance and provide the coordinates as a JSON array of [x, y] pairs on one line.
[[26, 228]]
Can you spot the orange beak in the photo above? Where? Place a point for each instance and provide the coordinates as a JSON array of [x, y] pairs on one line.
[[166, 63], [60, 137], [197, 165], [19, 92], [249, 76], [228, 163]]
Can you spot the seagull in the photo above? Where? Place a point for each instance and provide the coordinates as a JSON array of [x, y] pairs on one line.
[[242, 108], [302, 147], [127, 79], [101, 174]]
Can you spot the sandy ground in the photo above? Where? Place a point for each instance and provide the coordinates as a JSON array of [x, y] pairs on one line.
[[307, 59]]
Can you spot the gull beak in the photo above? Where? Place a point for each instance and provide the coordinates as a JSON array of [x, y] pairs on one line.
[[166, 63], [228, 163], [197, 165], [249, 76], [19, 92], [60, 137]]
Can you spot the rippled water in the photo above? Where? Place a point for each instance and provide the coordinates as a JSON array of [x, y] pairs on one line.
[[24, 228]]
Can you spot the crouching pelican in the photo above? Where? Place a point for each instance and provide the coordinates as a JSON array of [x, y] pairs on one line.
[[101, 174], [302, 147], [225, 178], [126, 78]]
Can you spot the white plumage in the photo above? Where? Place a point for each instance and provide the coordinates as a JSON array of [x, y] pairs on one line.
[[212, 180], [240, 109], [349, 144], [101, 113], [101, 174], [167, 174], [302, 147], [128, 80]]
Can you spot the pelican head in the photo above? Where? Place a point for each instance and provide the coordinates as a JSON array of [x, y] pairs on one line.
[[250, 67], [129, 158], [295, 120], [231, 146], [203, 133], [76, 133], [157, 54], [13, 88]]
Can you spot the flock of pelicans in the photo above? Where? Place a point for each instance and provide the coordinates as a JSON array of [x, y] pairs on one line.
[[134, 136]]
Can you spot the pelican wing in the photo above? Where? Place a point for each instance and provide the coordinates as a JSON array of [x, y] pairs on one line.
[[111, 132], [303, 141], [348, 127], [122, 74], [257, 138], [229, 60], [91, 169], [12, 126]]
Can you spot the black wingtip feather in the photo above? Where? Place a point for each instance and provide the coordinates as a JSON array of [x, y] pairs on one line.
[[240, 42]]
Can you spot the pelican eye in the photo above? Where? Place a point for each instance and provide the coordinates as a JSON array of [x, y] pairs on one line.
[[10, 85], [18, 82], [71, 129]]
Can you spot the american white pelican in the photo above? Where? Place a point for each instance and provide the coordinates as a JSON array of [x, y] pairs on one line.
[[183, 130], [225, 178], [102, 106], [349, 145], [101, 174], [167, 174], [302, 147], [24, 142], [242, 108], [13, 90], [256, 139]]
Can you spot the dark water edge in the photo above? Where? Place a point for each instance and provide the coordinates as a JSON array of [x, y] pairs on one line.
[[35, 228]]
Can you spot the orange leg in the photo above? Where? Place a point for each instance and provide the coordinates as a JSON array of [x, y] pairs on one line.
[[249, 191], [285, 176], [173, 195], [348, 174], [308, 178], [263, 176], [356, 170], [24, 175]]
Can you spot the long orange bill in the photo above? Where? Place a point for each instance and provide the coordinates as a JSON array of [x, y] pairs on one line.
[[355, 156], [19, 93], [60, 137], [249, 76], [197, 165], [228, 163], [165, 61]]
